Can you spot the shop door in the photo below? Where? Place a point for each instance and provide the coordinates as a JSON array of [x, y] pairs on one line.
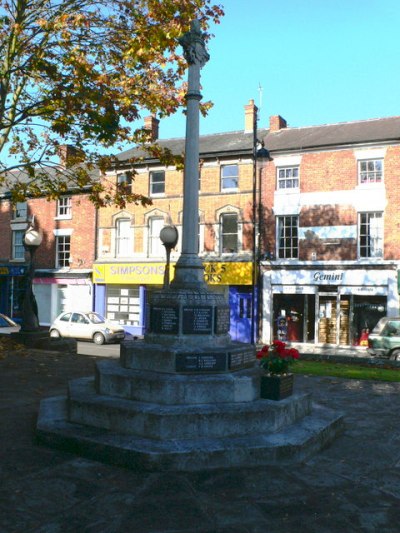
[[240, 314], [327, 326]]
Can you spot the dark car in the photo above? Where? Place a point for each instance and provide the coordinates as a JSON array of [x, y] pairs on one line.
[[384, 340]]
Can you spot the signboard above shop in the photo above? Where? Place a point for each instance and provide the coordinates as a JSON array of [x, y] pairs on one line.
[[153, 273]]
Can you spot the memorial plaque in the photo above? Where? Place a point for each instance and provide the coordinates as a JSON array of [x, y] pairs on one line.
[[222, 319], [197, 320], [208, 362], [241, 359], [165, 319]]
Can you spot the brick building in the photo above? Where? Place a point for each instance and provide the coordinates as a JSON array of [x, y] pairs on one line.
[[329, 223], [63, 261], [131, 257]]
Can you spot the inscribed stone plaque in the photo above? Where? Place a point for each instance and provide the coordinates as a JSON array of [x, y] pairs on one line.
[[197, 320], [210, 362], [241, 359], [222, 319], [165, 319]]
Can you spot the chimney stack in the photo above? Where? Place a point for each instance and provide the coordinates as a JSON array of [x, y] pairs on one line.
[[276, 123], [151, 124], [250, 111]]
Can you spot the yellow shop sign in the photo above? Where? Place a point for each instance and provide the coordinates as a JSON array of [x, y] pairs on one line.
[[153, 273]]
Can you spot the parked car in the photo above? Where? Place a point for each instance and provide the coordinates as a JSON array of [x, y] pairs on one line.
[[384, 340], [7, 325], [90, 326]]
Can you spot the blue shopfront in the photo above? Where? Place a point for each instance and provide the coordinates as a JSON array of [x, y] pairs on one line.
[[12, 287], [122, 291]]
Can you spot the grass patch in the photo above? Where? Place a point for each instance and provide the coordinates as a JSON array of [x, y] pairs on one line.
[[343, 370]]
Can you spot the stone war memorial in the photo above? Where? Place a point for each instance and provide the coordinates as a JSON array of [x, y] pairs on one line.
[[186, 397]]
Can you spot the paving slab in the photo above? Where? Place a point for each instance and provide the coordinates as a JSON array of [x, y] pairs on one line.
[[352, 486]]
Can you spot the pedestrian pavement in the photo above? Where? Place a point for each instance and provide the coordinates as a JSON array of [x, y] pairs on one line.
[[352, 486]]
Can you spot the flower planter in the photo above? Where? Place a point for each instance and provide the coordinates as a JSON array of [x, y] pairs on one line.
[[276, 386]]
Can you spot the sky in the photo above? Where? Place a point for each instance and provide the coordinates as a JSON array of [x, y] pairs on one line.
[[316, 62]]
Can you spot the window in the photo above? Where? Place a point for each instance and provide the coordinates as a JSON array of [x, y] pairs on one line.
[[63, 249], [20, 210], [123, 239], [123, 304], [64, 207], [156, 248], [157, 182], [370, 235], [288, 178], [18, 250], [229, 177], [370, 171], [124, 182], [288, 240], [229, 233]]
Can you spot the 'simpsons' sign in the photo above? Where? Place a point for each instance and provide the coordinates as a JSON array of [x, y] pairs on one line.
[[328, 277], [153, 273]]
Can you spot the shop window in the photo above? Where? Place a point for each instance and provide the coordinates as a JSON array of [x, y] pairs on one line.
[[288, 178], [229, 233], [370, 235], [64, 207], [229, 177], [18, 250], [288, 237], [123, 237], [123, 305], [63, 251], [156, 248], [370, 171], [157, 183]]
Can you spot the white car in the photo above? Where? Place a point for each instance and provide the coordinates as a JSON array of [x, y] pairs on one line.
[[90, 326], [7, 325]]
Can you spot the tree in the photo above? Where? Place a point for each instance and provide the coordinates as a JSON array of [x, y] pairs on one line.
[[80, 73]]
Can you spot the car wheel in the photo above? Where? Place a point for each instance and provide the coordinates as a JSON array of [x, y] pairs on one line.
[[98, 338], [395, 355], [55, 334]]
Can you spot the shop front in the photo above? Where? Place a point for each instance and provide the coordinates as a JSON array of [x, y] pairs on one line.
[[122, 292], [324, 306], [12, 290]]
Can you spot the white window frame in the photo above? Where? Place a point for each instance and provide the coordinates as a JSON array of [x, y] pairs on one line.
[[18, 249], [152, 184], [290, 239], [155, 247], [222, 234], [288, 178], [20, 211], [373, 233], [370, 171], [123, 240], [225, 180], [64, 207]]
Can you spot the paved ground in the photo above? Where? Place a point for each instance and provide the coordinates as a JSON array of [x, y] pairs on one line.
[[354, 486]]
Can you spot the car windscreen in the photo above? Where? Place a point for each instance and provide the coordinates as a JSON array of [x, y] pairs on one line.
[[96, 318], [4, 323]]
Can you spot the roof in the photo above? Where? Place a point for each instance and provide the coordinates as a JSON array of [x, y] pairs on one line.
[[365, 132], [381, 130]]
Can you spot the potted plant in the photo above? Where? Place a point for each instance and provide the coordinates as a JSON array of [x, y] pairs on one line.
[[277, 382]]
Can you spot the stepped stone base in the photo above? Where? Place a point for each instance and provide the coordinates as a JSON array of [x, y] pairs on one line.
[[165, 421]]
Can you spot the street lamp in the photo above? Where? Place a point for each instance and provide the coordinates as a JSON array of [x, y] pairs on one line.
[[262, 155], [30, 321], [169, 237]]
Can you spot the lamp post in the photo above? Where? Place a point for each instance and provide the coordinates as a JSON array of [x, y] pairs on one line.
[[30, 321], [261, 154], [169, 238]]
